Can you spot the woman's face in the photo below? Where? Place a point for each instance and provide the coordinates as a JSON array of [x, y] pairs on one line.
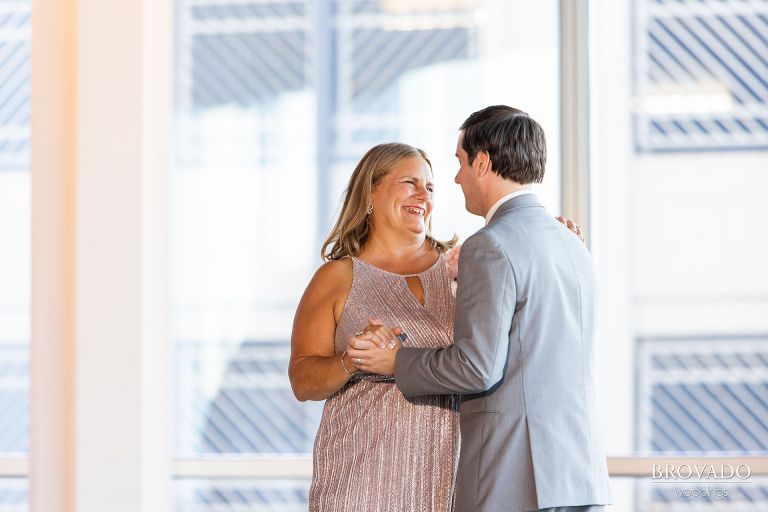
[[403, 198]]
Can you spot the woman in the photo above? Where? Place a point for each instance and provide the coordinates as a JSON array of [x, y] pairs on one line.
[[375, 450]]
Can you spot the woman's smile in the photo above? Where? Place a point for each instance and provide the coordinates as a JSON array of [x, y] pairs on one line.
[[415, 210]]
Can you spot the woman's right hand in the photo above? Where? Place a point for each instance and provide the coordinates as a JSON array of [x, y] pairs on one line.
[[366, 348], [376, 333]]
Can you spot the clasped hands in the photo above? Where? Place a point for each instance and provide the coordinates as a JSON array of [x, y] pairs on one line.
[[373, 349]]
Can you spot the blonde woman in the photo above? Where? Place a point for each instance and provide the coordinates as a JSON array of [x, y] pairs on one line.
[[375, 450]]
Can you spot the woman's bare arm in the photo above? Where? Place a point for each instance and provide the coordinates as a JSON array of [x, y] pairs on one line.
[[315, 371]]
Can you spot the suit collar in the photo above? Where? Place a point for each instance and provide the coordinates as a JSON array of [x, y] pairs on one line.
[[524, 201], [503, 200]]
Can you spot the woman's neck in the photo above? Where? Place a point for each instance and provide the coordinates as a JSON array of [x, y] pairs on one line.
[[396, 250]]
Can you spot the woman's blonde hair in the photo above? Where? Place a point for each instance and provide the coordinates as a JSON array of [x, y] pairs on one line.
[[352, 229]]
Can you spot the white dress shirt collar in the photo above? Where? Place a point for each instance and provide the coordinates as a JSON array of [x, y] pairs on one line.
[[503, 200]]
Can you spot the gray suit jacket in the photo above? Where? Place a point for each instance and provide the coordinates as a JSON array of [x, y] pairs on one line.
[[523, 357]]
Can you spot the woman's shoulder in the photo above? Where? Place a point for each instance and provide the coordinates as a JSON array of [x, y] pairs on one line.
[[335, 269], [333, 277], [333, 281]]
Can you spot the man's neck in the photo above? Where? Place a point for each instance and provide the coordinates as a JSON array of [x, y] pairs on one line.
[[504, 188]]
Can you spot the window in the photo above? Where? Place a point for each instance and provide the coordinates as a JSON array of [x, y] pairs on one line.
[[679, 156], [276, 103], [14, 256]]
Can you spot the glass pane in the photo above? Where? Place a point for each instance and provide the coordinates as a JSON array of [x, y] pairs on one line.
[[15, 259], [240, 495], [276, 101], [248, 407], [13, 495], [243, 185], [703, 395], [680, 224]]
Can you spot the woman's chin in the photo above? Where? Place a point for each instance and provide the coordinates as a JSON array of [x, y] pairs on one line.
[[415, 226], [418, 229]]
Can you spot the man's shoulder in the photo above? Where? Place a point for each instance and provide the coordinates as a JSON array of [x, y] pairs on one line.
[[482, 238], [486, 241]]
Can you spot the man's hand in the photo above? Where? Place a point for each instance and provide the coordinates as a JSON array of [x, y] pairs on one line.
[[374, 348]]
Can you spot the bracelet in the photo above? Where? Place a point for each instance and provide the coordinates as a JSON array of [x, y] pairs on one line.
[[344, 366]]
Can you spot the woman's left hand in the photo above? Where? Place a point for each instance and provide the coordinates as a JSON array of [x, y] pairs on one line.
[[452, 255], [452, 260], [571, 225]]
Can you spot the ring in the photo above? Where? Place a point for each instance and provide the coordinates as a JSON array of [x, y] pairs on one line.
[[358, 333], [357, 360]]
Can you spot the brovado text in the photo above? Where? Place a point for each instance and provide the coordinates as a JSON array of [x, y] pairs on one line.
[[700, 472]]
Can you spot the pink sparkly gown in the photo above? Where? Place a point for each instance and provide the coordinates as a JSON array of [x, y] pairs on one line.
[[375, 450]]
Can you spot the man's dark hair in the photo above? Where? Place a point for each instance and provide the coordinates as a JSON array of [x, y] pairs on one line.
[[514, 142]]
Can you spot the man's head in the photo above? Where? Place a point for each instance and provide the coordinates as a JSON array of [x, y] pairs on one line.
[[505, 142]]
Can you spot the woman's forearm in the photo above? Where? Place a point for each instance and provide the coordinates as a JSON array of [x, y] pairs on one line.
[[319, 377]]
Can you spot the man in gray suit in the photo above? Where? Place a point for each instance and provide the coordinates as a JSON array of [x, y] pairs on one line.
[[523, 353]]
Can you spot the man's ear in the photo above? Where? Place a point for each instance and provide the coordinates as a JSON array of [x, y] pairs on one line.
[[482, 163]]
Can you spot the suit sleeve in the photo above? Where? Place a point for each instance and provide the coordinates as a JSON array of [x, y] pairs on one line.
[[485, 303]]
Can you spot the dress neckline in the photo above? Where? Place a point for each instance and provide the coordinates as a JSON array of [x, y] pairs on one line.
[[426, 270]]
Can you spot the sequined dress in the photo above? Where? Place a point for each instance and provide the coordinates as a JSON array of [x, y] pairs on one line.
[[375, 450]]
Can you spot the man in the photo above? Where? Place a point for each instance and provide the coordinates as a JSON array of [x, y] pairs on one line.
[[523, 353]]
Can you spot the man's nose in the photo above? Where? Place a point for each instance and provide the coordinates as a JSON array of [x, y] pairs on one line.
[[456, 179]]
